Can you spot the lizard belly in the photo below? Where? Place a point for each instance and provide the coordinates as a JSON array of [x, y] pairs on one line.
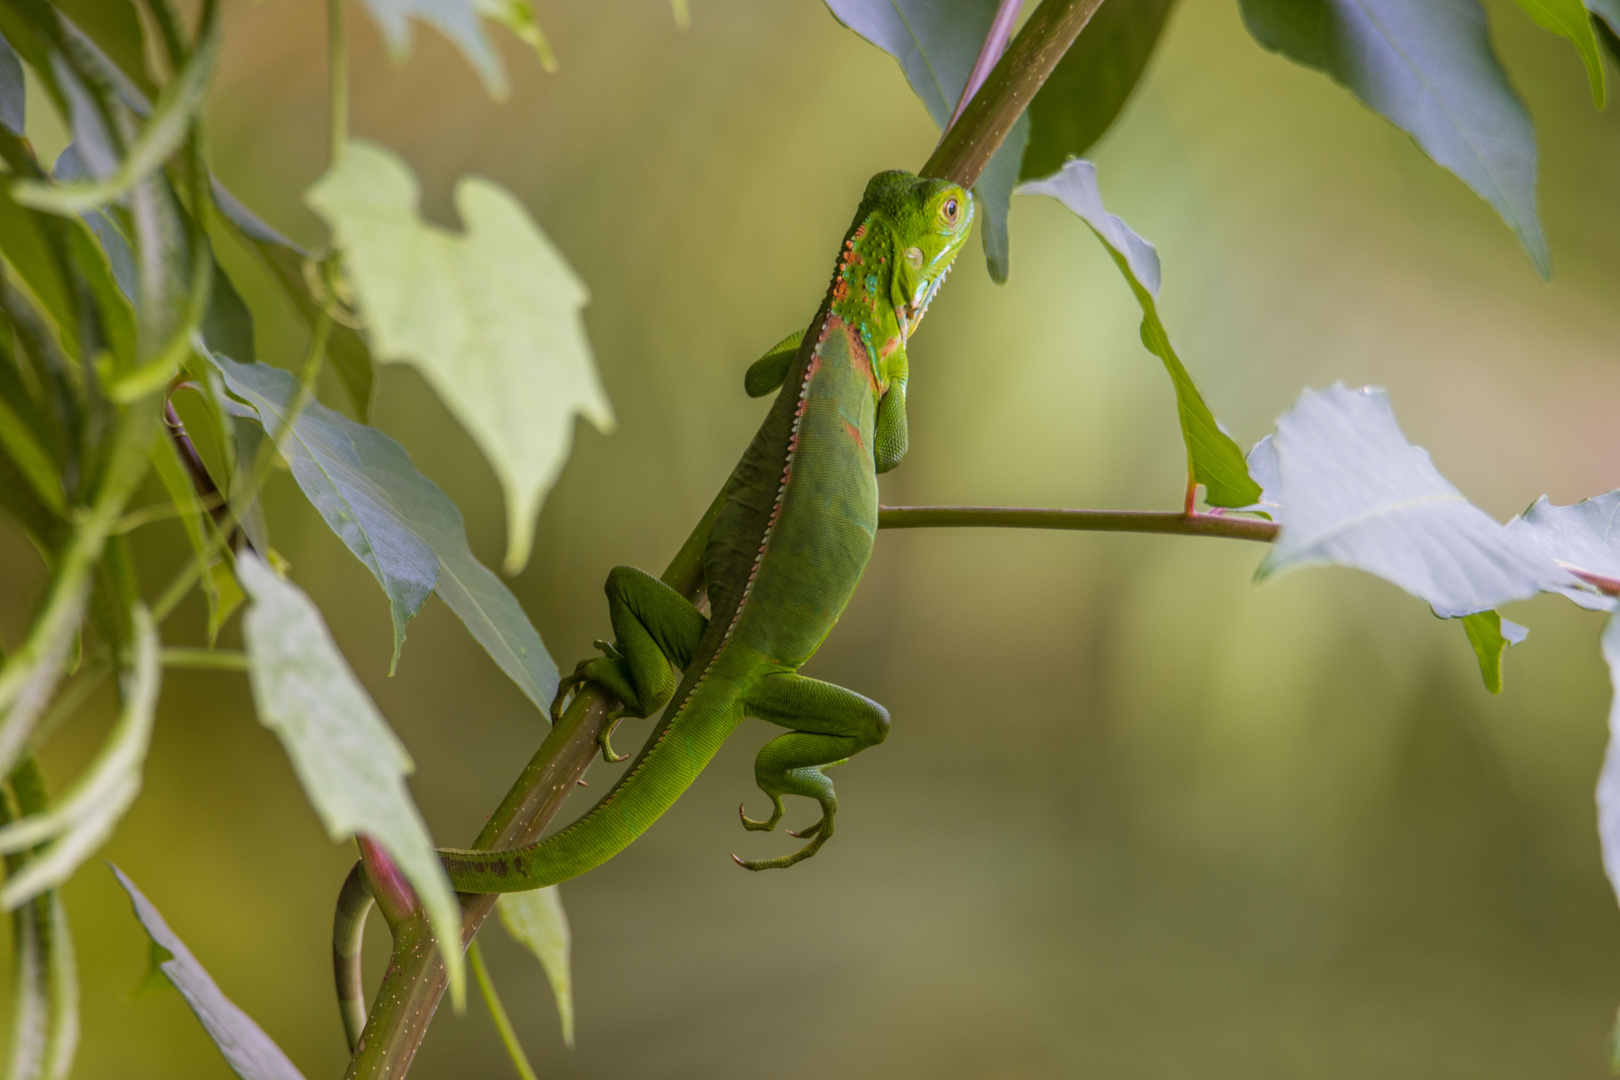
[[820, 540]]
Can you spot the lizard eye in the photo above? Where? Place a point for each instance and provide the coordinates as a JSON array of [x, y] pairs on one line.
[[914, 256], [950, 210]]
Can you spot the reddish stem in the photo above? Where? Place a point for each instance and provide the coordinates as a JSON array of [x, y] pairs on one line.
[[995, 43]]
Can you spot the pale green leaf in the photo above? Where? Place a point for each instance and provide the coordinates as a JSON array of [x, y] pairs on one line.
[[518, 17], [86, 814], [1214, 460], [1354, 492], [349, 761], [388, 513], [1490, 635], [490, 317], [251, 1054], [1583, 538], [537, 920]]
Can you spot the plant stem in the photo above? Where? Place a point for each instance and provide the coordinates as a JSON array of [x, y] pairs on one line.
[[967, 146], [1138, 521], [995, 43], [205, 659]]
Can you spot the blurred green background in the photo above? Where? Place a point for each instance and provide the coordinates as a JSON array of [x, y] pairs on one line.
[[1136, 817]]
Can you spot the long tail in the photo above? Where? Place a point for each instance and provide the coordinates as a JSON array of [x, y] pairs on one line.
[[348, 935]]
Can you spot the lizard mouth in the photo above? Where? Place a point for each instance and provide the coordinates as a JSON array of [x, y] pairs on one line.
[[911, 315]]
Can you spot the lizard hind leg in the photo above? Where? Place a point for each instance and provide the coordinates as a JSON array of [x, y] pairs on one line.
[[828, 726]]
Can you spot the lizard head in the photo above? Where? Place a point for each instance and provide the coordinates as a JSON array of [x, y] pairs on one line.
[[928, 221]]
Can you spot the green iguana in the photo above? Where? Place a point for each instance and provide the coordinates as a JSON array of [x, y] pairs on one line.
[[787, 541]]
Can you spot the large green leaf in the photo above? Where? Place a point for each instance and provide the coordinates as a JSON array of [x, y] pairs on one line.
[[1213, 459], [1090, 85], [490, 317], [350, 763], [396, 521], [1354, 492], [537, 920], [1428, 67], [936, 44], [251, 1054]]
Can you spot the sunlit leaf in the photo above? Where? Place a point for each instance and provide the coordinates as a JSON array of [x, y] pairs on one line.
[[1583, 538], [1090, 85], [1428, 67], [1214, 460], [537, 920], [490, 317], [247, 1049], [349, 761], [1354, 492], [86, 814], [1490, 635], [364, 485], [1568, 18]]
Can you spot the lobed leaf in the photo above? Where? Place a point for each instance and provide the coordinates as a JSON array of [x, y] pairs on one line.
[[936, 45], [537, 921], [1354, 492], [351, 765], [1213, 459], [1428, 67], [491, 318], [250, 1053], [396, 521]]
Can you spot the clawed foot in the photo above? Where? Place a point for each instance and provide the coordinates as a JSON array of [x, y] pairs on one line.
[[605, 736], [817, 834], [761, 826]]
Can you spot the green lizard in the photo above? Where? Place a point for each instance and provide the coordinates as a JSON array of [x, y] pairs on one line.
[[787, 541]]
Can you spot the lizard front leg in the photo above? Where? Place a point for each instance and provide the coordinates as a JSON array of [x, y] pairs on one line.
[[653, 627], [769, 371], [830, 725]]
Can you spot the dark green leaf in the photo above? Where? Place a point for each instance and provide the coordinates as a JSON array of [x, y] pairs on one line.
[[346, 350], [1214, 460], [1091, 84], [1428, 67], [248, 1050], [1354, 492], [936, 45], [1490, 635], [116, 28], [364, 485]]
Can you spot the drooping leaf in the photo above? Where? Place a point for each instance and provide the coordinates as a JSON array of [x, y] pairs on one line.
[[455, 19], [490, 317], [1214, 460], [346, 351], [251, 1053], [537, 921], [1427, 66], [1090, 85], [1490, 635], [1583, 538], [364, 485], [82, 819], [1354, 492], [349, 761], [161, 136], [1568, 18], [936, 45]]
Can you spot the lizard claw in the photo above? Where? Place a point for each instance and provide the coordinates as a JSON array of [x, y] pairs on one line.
[[817, 834], [604, 739], [807, 833], [760, 826]]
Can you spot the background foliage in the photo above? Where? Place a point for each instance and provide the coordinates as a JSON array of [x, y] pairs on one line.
[[1135, 816]]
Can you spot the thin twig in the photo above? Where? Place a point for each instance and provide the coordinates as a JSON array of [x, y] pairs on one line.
[[1018, 517]]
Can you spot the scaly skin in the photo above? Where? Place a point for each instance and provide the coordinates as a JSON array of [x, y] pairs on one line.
[[783, 557], [784, 552]]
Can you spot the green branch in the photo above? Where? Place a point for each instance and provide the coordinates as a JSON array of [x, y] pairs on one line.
[[1136, 521]]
